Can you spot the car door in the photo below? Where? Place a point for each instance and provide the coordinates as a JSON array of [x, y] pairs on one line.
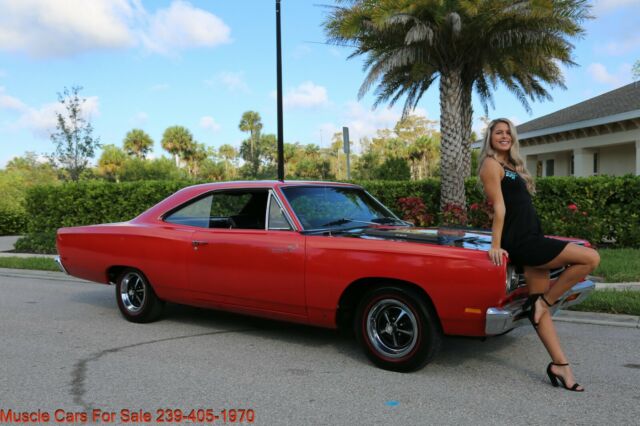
[[250, 257]]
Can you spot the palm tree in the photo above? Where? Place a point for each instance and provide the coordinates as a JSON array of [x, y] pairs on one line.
[[252, 122], [137, 143], [466, 45], [178, 141]]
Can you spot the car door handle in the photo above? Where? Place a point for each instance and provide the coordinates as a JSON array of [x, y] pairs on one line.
[[197, 243]]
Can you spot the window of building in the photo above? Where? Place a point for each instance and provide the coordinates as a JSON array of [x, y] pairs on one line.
[[596, 163], [549, 168], [539, 169], [572, 167]]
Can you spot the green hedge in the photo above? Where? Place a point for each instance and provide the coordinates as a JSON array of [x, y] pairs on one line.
[[13, 221], [605, 209]]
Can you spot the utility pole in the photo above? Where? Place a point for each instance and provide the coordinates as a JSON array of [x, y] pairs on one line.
[[347, 149], [279, 76]]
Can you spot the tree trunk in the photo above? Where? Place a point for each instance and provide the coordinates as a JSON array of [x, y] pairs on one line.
[[466, 121], [451, 177]]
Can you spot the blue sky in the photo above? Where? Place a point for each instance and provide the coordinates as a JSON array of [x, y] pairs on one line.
[[201, 64]]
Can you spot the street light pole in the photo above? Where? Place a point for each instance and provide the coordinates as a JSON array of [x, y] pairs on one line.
[[279, 96]]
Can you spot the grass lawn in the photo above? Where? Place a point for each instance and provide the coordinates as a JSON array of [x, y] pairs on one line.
[[37, 263], [619, 265], [611, 302]]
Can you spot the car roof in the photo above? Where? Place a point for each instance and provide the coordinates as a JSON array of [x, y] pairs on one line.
[[269, 184]]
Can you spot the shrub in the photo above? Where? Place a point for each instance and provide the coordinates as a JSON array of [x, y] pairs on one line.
[[414, 211], [12, 220]]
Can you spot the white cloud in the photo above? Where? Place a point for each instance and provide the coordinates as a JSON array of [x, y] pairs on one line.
[[183, 26], [43, 28], [301, 51], [139, 119], [600, 74], [620, 47], [42, 121], [161, 87], [233, 81], [10, 103], [604, 6], [209, 123], [46, 28], [306, 95]]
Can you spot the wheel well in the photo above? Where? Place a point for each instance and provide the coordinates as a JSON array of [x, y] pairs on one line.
[[113, 272], [357, 289]]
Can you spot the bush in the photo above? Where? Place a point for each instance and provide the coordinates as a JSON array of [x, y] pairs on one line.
[[13, 221], [85, 203], [607, 209]]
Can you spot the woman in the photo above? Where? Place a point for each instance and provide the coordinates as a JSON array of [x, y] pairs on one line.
[[516, 234]]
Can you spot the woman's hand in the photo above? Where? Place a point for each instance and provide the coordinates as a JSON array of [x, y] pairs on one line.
[[495, 254]]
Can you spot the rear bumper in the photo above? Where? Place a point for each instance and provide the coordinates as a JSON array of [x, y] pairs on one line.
[[501, 320], [60, 265]]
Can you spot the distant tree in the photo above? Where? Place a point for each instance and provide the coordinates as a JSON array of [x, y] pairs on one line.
[[251, 122], [73, 138], [137, 143], [636, 70], [393, 169], [136, 169], [111, 162], [178, 141], [194, 158], [229, 156]]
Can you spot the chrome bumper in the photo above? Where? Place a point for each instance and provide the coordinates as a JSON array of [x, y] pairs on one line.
[[60, 265], [501, 320]]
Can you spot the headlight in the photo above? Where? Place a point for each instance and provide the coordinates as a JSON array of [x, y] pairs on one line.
[[512, 278]]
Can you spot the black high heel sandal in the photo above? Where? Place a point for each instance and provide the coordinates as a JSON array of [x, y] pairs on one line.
[[556, 378], [529, 307]]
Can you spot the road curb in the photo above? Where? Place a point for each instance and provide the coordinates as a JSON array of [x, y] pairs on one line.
[[596, 318]]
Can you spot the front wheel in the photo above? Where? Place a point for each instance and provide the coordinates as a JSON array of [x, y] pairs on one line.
[[136, 299], [397, 330]]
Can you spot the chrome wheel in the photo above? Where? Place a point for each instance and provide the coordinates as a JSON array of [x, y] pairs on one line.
[[133, 291], [392, 328]]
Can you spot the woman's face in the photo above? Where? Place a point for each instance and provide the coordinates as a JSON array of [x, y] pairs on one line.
[[501, 138]]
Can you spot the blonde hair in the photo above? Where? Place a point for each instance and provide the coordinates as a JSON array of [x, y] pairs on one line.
[[514, 153]]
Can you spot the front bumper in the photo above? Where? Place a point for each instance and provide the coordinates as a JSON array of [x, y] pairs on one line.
[[501, 320]]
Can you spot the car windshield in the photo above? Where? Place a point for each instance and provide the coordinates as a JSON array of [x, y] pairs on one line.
[[336, 207]]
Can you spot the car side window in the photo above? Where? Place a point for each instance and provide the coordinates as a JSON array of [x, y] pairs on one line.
[[239, 209], [193, 214], [277, 219]]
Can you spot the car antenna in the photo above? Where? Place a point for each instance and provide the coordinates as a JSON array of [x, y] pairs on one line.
[[279, 96]]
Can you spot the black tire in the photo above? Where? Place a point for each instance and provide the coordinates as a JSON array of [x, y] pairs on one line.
[[396, 329], [135, 297]]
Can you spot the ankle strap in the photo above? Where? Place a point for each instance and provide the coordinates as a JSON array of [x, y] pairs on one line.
[[560, 365]]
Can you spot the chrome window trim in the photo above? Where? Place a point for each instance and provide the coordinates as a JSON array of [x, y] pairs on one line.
[[274, 196]]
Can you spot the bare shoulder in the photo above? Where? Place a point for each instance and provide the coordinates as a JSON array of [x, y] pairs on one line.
[[491, 168]]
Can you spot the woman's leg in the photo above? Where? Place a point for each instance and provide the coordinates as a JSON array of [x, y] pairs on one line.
[[582, 261], [538, 282]]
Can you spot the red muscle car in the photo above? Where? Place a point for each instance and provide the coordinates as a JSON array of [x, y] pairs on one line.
[[318, 253]]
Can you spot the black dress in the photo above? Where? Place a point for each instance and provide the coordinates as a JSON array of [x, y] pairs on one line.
[[522, 235]]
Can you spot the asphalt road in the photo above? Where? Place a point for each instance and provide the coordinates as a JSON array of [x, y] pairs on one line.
[[64, 346]]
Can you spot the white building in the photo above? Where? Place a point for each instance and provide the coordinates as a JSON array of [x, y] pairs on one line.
[[600, 136]]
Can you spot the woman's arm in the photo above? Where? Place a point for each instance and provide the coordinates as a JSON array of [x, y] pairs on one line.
[[491, 174]]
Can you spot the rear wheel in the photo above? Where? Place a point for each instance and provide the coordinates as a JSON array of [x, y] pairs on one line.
[[397, 330], [136, 299]]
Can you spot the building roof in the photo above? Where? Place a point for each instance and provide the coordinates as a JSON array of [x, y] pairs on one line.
[[618, 104]]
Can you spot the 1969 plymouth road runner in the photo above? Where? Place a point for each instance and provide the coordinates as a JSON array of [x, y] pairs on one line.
[[324, 254]]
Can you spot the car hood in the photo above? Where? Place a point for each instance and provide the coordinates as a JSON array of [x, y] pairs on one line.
[[475, 239], [454, 237]]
